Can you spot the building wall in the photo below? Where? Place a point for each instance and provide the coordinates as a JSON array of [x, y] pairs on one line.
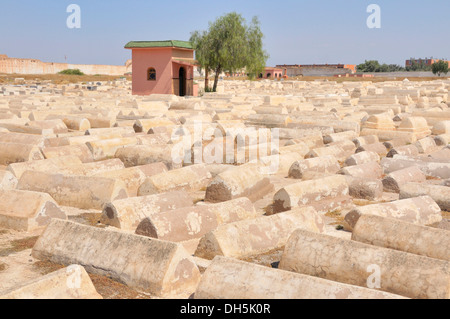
[[274, 73], [189, 79], [318, 69], [182, 53], [33, 66], [424, 61], [161, 60]]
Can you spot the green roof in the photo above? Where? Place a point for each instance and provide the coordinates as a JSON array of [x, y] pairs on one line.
[[159, 44]]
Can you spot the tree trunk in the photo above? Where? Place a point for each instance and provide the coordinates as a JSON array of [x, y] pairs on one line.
[[216, 78], [206, 80]]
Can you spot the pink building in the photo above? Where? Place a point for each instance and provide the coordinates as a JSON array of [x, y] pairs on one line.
[[162, 67], [271, 73]]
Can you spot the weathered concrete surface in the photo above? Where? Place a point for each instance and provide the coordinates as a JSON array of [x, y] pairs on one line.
[[193, 222], [334, 150], [388, 135], [353, 263], [104, 149], [153, 168], [251, 237], [26, 210], [370, 170], [398, 235], [80, 151], [127, 213], [370, 189], [242, 181], [440, 155], [22, 138], [47, 165], [16, 153], [416, 125], [158, 267], [407, 150], [442, 139], [364, 140], [57, 126], [442, 127], [426, 145], [71, 282], [132, 177], [277, 164], [324, 194], [91, 169], [190, 178], [228, 278], [76, 191], [393, 181], [136, 155], [435, 169], [144, 125], [341, 136], [378, 148], [7, 180], [327, 164], [362, 158], [419, 210], [439, 193]]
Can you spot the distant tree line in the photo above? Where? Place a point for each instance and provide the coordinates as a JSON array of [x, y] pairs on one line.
[[375, 66]]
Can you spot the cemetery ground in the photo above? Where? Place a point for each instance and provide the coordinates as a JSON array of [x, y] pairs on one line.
[[324, 188]]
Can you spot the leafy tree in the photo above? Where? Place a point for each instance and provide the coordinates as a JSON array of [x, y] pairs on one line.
[[202, 44], [230, 45], [439, 67], [375, 66], [257, 57], [369, 66]]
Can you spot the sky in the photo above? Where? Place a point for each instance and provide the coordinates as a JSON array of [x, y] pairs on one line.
[[296, 31]]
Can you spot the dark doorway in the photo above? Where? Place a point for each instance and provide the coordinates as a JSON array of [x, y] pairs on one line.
[[182, 79]]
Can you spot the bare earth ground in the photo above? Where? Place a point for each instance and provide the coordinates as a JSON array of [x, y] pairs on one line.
[[17, 266]]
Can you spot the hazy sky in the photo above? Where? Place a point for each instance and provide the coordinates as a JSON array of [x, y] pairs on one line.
[[296, 31]]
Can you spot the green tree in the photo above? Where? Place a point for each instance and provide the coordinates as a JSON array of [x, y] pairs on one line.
[[369, 66], [257, 57], [230, 45], [375, 66], [439, 67], [202, 44]]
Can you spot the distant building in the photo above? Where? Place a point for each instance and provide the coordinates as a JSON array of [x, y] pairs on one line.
[[426, 61], [271, 73], [317, 69], [162, 67]]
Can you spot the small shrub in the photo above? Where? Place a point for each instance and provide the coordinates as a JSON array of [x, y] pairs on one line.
[[71, 72]]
